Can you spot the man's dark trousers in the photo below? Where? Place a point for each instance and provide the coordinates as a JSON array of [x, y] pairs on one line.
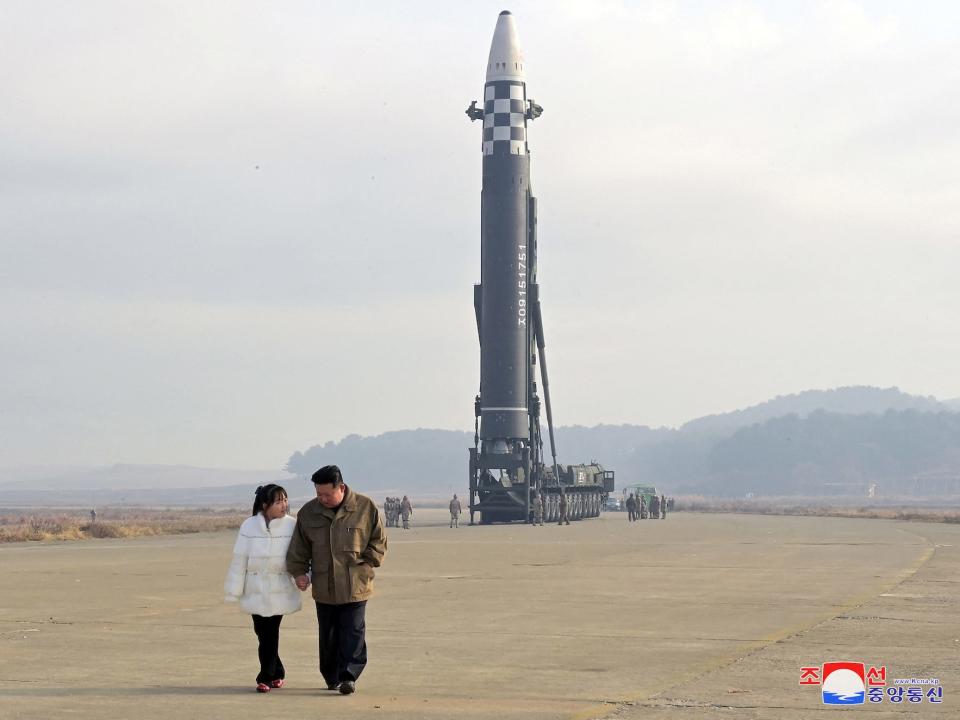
[[343, 644]]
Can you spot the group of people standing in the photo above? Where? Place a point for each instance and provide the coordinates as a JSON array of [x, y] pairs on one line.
[[637, 508], [538, 504], [333, 545], [397, 509]]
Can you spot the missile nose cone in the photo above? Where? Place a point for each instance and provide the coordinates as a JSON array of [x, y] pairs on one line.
[[506, 59]]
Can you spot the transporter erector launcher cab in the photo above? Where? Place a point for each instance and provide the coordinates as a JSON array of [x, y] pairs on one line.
[[508, 471]]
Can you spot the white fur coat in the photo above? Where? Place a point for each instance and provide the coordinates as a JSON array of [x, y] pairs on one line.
[[258, 575]]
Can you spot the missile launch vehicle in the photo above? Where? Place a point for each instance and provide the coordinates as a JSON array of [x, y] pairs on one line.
[[508, 468]]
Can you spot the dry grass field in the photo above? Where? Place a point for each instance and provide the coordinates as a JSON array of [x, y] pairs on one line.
[[49, 524], [931, 510], [38, 524]]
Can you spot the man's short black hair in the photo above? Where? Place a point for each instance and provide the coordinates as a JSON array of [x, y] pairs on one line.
[[328, 475]]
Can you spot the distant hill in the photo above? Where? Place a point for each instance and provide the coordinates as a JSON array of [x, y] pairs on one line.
[[816, 441], [433, 463], [854, 400], [903, 452], [609, 445], [421, 461], [682, 463]]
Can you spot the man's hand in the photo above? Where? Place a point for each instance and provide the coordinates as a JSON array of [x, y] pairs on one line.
[[302, 581]]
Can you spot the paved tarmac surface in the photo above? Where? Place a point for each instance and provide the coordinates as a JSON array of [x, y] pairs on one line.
[[697, 616]]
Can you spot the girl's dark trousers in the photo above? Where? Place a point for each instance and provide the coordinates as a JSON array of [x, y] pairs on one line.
[[268, 633]]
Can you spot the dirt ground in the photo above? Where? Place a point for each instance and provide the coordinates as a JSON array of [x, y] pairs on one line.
[[696, 616]]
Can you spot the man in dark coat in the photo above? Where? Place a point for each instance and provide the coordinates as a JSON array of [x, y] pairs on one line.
[[339, 539]]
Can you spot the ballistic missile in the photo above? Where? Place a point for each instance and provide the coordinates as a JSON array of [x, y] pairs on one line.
[[503, 301], [509, 474]]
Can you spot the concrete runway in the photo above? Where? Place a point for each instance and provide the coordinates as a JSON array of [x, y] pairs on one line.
[[697, 616]]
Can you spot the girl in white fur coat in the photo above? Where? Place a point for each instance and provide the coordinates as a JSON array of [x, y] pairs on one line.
[[259, 580]]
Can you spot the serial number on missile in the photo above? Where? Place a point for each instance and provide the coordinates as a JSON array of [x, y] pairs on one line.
[[522, 286]]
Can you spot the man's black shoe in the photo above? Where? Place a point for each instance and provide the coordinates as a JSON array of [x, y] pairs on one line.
[[347, 687], [333, 686]]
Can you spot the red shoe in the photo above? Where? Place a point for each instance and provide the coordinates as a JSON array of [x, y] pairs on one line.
[[263, 687], [279, 683]]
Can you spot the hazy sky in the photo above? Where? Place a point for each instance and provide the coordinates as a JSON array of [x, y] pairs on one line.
[[231, 230]]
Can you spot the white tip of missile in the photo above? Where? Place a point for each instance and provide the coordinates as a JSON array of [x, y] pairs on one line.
[[506, 60]]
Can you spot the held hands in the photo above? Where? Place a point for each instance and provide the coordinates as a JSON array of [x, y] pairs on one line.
[[302, 581]]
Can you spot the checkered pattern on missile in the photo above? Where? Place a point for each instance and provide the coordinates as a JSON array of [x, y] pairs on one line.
[[504, 118]]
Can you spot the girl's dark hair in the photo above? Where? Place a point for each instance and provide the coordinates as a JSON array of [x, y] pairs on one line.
[[266, 496]]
